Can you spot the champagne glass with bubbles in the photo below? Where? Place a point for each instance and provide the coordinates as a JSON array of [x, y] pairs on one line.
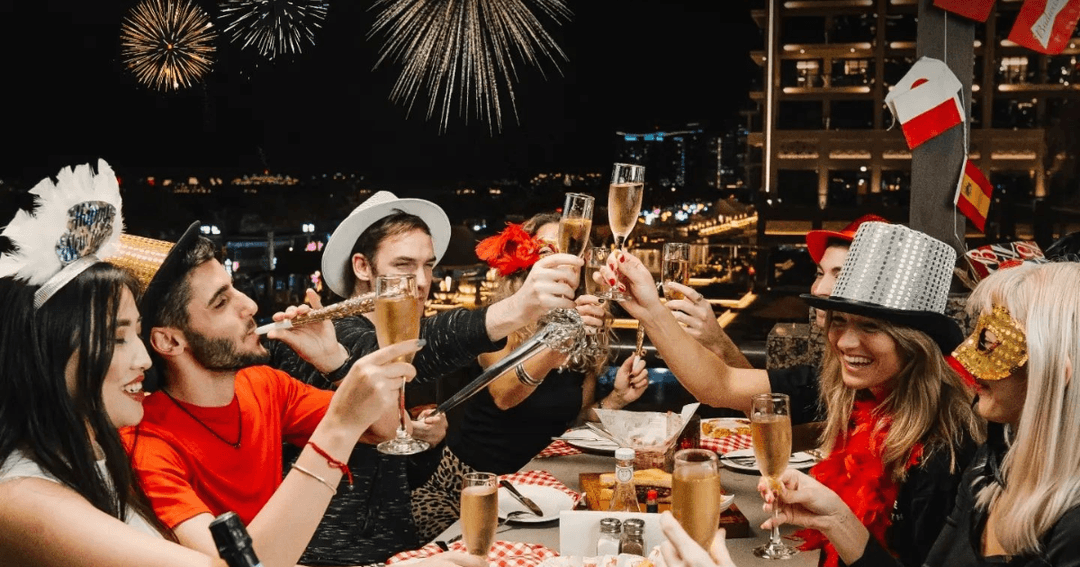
[[479, 512], [576, 223], [624, 206], [770, 426], [397, 319], [696, 494]]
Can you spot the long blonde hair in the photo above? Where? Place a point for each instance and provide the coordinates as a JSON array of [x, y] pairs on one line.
[[928, 403], [596, 359], [1041, 468]]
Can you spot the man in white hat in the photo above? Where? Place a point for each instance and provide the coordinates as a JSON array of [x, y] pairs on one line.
[[390, 235]]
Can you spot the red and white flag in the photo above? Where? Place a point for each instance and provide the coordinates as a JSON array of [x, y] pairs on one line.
[[1045, 25], [973, 195], [977, 10], [926, 101]]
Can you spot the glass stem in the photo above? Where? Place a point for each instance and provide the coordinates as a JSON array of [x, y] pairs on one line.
[[402, 432], [774, 539]]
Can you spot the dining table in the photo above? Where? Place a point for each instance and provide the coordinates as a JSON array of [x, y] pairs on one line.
[[568, 469]]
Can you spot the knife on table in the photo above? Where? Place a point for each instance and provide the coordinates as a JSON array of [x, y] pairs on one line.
[[527, 502]]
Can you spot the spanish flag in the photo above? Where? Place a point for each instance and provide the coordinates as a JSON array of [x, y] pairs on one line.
[[973, 196]]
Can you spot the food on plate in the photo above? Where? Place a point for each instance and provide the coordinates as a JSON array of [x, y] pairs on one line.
[[719, 429], [644, 480]]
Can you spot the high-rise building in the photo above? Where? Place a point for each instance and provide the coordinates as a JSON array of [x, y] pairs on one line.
[[686, 163], [833, 154]]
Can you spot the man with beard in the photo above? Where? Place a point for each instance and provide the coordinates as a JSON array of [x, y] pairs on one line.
[[211, 438]]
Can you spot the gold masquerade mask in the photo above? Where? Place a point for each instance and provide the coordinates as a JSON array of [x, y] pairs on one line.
[[996, 349]]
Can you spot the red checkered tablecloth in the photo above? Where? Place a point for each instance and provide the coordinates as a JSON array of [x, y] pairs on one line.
[[726, 444], [502, 553], [559, 448], [542, 478]]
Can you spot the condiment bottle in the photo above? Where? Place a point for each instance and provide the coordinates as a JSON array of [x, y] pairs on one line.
[[633, 540], [650, 502], [624, 497], [608, 542]]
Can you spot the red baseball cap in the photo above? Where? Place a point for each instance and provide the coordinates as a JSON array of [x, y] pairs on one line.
[[818, 240]]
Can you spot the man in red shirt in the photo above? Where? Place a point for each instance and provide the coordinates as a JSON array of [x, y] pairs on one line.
[[211, 438]]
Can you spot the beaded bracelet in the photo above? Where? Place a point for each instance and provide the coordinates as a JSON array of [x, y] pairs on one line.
[[334, 463], [524, 377], [316, 477]]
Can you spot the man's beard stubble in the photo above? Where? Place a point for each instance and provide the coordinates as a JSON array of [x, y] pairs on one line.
[[221, 354]]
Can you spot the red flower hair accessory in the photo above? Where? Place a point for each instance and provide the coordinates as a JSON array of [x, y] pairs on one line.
[[511, 250]]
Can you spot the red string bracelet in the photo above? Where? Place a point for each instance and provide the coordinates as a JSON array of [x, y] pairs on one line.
[[334, 463]]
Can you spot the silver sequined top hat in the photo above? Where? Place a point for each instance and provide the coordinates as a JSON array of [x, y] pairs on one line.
[[336, 259], [900, 275]]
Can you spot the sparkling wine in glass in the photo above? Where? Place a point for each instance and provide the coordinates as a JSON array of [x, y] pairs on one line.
[[595, 258], [576, 223], [624, 205], [479, 512], [696, 494], [397, 318], [675, 267], [770, 426]]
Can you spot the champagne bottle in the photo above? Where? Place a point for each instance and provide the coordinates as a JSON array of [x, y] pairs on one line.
[[233, 542], [624, 497]]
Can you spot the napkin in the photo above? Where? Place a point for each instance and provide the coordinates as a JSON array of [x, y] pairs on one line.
[[558, 448], [646, 430], [502, 553], [542, 478]]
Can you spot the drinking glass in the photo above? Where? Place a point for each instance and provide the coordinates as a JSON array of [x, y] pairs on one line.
[[695, 494], [576, 223], [624, 205], [479, 512], [675, 268], [397, 318], [595, 258], [770, 425]]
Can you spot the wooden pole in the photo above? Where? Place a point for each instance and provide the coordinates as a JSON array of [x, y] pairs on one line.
[[936, 165]]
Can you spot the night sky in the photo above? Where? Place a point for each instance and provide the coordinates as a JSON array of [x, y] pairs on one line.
[[633, 65]]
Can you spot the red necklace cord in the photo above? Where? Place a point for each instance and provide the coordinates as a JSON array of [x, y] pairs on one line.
[[334, 463]]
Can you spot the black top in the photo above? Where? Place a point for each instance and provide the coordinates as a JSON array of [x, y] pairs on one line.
[[959, 543], [926, 496], [502, 441], [801, 384], [373, 520]]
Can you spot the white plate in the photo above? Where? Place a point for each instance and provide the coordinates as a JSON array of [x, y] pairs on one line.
[[550, 500], [588, 440], [725, 501], [743, 460]]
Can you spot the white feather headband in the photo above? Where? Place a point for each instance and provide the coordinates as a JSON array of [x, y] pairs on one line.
[[77, 221]]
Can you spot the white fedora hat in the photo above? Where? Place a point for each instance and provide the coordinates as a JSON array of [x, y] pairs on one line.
[[337, 255]]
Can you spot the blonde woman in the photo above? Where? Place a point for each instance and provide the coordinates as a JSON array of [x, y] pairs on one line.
[[1019, 498], [898, 425]]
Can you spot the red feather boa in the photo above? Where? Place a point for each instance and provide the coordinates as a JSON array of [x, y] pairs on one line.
[[855, 470], [511, 250]]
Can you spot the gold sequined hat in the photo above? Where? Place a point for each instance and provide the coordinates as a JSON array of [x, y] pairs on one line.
[[900, 275]]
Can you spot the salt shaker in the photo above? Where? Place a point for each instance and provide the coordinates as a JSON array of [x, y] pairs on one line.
[[608, 542]]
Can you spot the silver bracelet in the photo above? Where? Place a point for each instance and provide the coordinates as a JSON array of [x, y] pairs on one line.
[[524, 377], [316, 477]]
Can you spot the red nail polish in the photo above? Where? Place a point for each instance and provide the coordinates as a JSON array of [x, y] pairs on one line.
[[622, 258], [611, 281]]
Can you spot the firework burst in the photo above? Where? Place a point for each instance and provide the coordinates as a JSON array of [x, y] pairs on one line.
[[167, 44], [445, 46], [273, 27]]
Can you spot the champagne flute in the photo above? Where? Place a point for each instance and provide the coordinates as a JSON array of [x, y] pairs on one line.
[[397, 318], [576, 223], [770, 425], [675, 268], [696, 494], [624, 205], [479, 512]]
